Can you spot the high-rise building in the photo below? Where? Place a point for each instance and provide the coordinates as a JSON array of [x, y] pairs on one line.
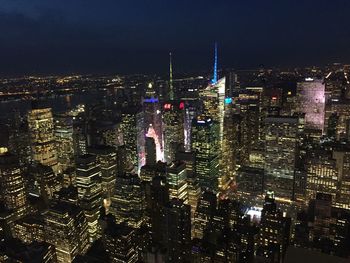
[[41, 129], [153, 120], [250, 183], [121, 244], [228, 161], [274, 232], [311, 101], [151, 153], [177, 228], [12, 184], [343, 198], [80, 142], [150, 171], [29, 229], [322, 175], [177, 180], [281, 149], [337, 119], [64, 141], [173, 128], [88, 173], [45, 181], [133, 137], [66, 228], [206, 147], [16, 251], [159, 197], [19, 141], [128, 201], [106, 157], [205, 211]]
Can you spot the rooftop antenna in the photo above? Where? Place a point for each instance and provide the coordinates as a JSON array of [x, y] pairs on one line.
[[171, 91], [215, 71]]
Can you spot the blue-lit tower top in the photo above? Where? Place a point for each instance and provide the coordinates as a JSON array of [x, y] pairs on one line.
[[215, 73]]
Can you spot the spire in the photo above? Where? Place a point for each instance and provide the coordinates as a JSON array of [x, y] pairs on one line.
[[215, 73], [171, 91]]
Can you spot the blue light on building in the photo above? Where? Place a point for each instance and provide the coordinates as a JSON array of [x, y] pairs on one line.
[[151, 100], [228, 100]]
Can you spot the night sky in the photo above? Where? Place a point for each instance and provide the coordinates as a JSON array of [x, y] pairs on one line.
[[134, 36]]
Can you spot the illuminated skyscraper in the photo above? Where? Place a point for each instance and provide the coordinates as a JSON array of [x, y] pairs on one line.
[[344, 185], [337, 119], [64, 141], [12, 184], [153, 120], [90, 191], [173, 128], [66, 228], [322, 175], [45, 183], [128, 204], [80, 142], [29, 229], [41, 130], [177, 180], [106, 157], [274, 232], [282, 137], [206, 147], [133, 137], [311, 101], [228, 161]]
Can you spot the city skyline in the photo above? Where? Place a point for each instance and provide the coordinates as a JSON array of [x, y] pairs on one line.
[[174, 131]]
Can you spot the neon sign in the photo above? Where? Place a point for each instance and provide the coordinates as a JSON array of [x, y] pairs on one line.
[[167, 106], [182, 105]]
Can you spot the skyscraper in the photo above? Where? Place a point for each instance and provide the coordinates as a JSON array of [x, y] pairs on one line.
[[106, 157], [280, 154], [66, 228], [177, 180], [41, 129], [177, 228], [64, 141], [173, 128], [322, 175], [12, 184], [153, 120], [133, 137], [128, 201], [311, 101], [206, 146], [121, 243], [274, 232], [89, 191]]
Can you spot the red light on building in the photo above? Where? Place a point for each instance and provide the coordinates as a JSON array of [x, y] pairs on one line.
[[167, 106], [182, 105], [274, 98]]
